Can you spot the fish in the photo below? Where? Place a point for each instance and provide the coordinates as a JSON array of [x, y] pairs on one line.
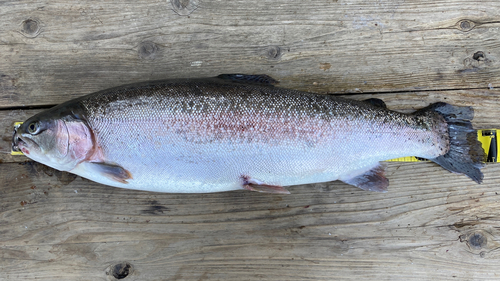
[[237, 131]]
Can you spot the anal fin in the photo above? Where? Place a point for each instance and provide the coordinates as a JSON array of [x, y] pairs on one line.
[[256, 185], [372, 180]]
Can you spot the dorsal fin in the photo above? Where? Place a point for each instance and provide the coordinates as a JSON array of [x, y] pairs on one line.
[[248, 78], [376, 102]]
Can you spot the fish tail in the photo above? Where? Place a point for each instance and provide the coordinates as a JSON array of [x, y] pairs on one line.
[[466, 154]]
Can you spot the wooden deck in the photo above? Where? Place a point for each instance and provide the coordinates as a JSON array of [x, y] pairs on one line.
[[431, 225]]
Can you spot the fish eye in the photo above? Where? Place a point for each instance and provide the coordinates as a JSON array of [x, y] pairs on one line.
[[33, 128]]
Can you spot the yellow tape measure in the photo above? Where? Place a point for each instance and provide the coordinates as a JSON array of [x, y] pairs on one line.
[[12, 152], [488, 139]]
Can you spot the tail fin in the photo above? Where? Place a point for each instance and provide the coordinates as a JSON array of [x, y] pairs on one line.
[[466, 155]]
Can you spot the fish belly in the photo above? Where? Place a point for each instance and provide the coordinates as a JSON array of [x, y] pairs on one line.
[[193, 161]]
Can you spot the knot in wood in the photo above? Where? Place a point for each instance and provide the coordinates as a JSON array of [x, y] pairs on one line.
[[147, 50], [273, 53], [465, 25], [479, 56], [30, 28], [121, 270], [184, 7], [477, 241]]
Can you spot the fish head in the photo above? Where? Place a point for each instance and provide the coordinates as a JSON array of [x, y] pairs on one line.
[[60, 143]]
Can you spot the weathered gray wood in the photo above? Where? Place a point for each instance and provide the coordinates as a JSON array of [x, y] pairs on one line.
[[55, 50], [431, 225]]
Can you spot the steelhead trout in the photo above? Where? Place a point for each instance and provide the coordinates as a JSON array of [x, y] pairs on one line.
[[241, 132]]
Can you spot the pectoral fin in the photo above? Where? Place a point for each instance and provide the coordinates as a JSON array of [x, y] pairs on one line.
[[256, 185], [113, 172], [372, 180]]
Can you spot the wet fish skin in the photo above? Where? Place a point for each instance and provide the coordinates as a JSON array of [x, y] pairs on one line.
[[210, 135]]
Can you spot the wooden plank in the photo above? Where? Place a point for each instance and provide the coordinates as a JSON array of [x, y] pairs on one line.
[[431, 225], [57, 50]]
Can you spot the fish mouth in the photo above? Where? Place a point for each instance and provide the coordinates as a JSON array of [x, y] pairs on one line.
[[19, 142], [23, 144]]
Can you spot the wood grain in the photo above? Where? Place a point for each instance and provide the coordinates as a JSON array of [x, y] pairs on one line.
[[63, 49], [431, 225]]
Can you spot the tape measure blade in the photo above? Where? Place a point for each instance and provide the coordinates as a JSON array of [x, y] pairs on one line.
[[12, 152]]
